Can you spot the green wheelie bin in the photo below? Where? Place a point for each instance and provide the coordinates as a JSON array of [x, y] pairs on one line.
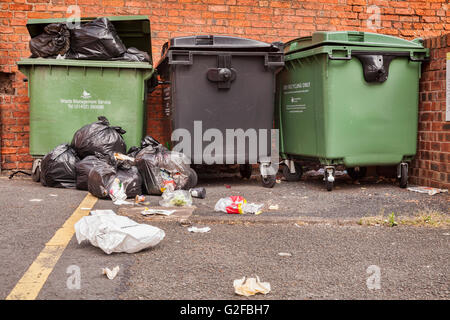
[[349, 99], [66, 94]]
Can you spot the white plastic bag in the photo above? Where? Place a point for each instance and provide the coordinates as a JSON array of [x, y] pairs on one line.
[[177, 198], [113, 233]]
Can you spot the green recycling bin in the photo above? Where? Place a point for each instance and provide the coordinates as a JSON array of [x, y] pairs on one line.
[[66, 94], [349, 99]]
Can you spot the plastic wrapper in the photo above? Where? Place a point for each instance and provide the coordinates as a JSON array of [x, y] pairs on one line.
[[54, 41], [131, 180], [177, 198], [159, 167], [250, 287], [98, 137], [58, 167], [100, 179], [84, 166], [96, 40], [237, 204], [113, 233], [134, 55], [117, 191]]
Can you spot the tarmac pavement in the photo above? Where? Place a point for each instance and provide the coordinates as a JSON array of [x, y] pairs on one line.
[[328, 260]]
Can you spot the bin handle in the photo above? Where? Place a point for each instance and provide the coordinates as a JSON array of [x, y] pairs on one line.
[[188, 54], [412, 58], [348, 57]]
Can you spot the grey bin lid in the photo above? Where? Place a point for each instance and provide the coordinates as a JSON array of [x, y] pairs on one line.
[[134, 31], [213, 42]]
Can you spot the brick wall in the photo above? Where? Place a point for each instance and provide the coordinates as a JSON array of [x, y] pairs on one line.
[[431, 166], [263, 20]]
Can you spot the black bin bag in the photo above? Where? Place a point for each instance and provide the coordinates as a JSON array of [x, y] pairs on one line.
[[53, 41], [131, 180], [96, 40], [58, 167], [100, 179], [98, 137], [147, 141], [155, 163], [83, 168]]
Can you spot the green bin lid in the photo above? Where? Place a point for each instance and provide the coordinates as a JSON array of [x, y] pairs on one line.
[[350, 38], [134, 31]]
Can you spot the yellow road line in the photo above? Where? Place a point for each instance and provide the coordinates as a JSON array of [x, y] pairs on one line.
[[34, 278]]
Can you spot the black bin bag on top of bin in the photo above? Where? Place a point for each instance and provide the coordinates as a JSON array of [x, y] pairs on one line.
[[96, 40], [152, 160], [83, 168], [131, 180], [133, 55], [98, 137], [53, 41], [58, 167], [100, 179]]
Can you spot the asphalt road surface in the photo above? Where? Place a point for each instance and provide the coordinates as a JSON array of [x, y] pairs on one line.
[[326, 260]]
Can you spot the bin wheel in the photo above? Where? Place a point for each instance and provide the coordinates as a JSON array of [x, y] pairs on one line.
[[36, 170], [192, 179], [403, 176], [357, 172], [329, 185], [268, 181], [293, 176], [245, 170]]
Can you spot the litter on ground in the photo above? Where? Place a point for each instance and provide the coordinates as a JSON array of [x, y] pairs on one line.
[[199, 230], [113, 233], [428, 190], [250, 287], [148, 212], [111, 274]]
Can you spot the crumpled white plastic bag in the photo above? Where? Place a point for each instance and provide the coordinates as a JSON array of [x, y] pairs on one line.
[[113, 233]]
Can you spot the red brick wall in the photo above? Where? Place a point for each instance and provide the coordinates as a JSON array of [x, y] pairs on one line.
[[432, 164], [263, 20]]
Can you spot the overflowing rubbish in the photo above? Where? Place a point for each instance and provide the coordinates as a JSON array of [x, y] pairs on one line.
[[58, 167], [98, 137], [428, 190], [149, 212], [250, 287], [237, 204], [54, 41], [198, 192], [111, 274], [134, 55], [162, 169], [113, 233], [106, 171], [274, 207], [199, 230], [95, 40], [177, 198]]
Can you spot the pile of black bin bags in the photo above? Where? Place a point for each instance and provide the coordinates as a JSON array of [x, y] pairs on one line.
[[94, 40], [97, 156]]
